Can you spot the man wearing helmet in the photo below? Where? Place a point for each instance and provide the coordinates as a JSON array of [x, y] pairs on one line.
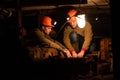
[[77, 34], [48, 45]]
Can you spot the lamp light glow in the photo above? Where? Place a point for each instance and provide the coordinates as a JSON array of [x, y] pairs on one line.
[[81, 20]]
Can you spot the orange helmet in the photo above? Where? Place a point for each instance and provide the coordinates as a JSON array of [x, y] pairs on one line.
[[47, 21], [71, 13]]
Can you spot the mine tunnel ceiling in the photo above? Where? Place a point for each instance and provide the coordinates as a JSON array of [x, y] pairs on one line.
[[91, 6], [14, 3]]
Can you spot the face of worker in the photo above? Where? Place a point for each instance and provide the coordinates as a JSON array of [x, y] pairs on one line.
[[73, 22], [47, 30]]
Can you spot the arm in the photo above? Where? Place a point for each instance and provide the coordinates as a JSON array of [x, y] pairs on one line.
[[52, 43], [87, 39], [67, 42], [87, 36], [66, 38], [48, 41]]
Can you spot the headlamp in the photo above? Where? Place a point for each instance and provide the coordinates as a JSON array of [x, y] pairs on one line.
[[68, 18], [54, 23]]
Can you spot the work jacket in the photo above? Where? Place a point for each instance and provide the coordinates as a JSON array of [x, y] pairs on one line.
[[86, 32], [44, 40]]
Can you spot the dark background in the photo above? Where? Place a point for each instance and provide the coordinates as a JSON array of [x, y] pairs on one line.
[[9, 31]]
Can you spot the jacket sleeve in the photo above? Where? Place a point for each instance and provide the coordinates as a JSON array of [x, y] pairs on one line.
[[66, 38], [50, 42], [87, 36]]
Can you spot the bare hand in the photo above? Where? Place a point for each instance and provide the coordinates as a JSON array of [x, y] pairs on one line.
[[68, 53], [80, 54], [74, 54]]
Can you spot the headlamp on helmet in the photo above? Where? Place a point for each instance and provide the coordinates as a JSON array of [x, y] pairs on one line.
[[80, 17], [68, 18], [71, 13], [54, 23]]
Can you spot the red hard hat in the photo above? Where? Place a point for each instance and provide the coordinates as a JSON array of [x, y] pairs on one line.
[[47, 21], [71, 13]]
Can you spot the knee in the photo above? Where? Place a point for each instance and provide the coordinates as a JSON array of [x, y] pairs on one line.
[[73, 37]]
